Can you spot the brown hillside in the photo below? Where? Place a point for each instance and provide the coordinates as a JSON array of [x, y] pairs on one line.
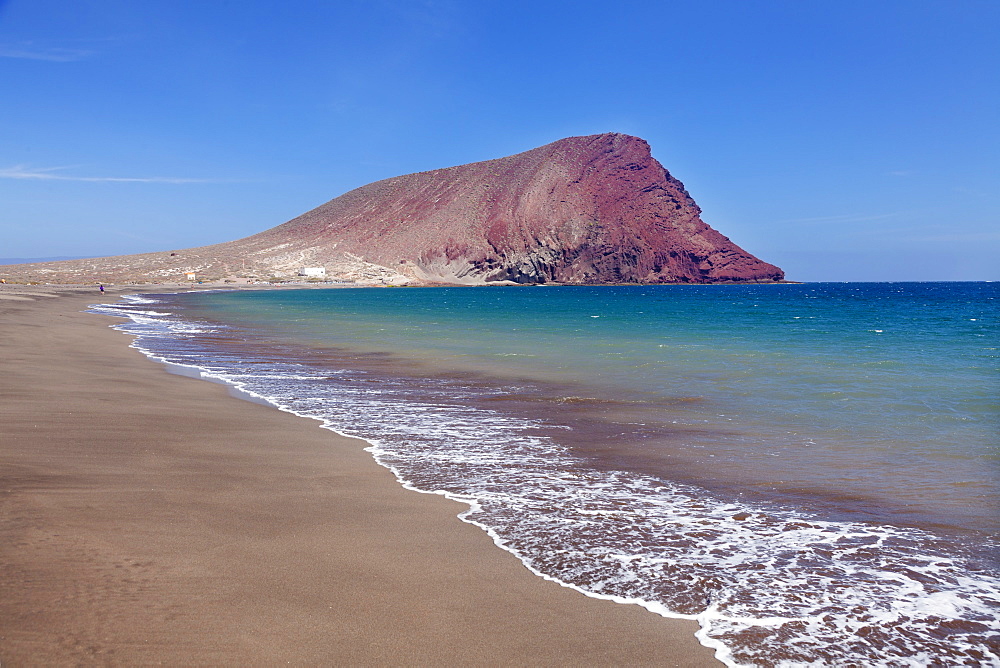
[[596, 209]]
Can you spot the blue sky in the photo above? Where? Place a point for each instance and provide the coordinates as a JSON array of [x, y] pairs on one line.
[[849, 140]]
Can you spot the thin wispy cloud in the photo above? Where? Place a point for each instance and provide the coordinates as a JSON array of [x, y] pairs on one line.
[[28, 51], [23, 173]]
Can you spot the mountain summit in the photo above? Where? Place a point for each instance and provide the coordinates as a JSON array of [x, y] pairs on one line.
[[595, 209]]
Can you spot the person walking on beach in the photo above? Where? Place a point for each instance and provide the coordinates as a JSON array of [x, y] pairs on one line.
[[102, 286]]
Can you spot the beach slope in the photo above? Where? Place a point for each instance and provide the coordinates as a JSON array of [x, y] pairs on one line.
[[147, 517]]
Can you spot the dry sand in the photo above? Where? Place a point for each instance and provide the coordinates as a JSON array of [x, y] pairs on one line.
[[149, 518]]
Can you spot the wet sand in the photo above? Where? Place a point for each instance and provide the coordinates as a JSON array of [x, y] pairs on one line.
[[147, 518]]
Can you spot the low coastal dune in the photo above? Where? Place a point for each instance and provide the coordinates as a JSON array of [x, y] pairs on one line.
[[147, 517]]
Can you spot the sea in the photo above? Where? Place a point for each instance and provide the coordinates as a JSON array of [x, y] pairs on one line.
[[810, 471]]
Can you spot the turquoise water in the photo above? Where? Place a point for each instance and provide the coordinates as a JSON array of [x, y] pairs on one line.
[[808, 470]]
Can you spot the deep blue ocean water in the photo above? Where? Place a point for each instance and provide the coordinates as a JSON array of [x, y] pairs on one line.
[[811, 471]]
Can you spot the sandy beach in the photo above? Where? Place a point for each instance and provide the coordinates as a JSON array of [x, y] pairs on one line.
[[151, 518]]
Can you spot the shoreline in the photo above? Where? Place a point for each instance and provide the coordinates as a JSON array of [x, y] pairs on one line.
[[152, 517]]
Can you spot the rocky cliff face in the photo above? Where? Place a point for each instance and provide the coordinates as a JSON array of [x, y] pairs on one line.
[[596, 209]]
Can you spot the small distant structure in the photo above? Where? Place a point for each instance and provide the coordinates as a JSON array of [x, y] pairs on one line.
[[313, 272], [191, 276]]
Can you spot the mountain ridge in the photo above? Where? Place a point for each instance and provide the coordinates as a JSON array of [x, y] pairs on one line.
[[581, 210]]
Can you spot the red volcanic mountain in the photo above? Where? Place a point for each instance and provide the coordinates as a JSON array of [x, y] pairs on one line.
[[596, 209]]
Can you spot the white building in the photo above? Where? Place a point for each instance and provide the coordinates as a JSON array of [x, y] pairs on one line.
[[313, 272]]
